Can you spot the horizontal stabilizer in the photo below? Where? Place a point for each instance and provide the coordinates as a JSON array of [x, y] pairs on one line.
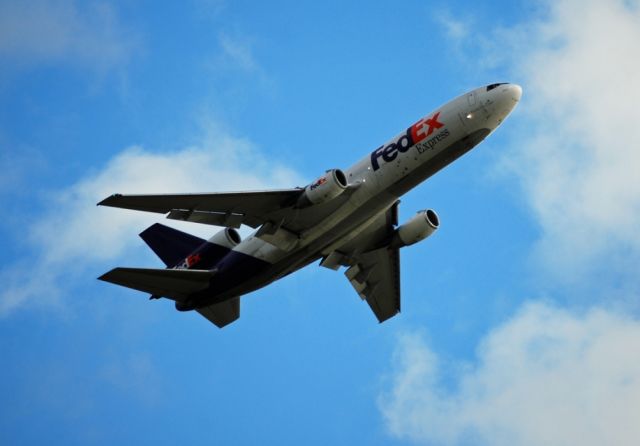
[[171, 245], [222, 313], [176, 284]]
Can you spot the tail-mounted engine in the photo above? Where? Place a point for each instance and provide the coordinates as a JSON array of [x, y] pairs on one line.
[[228, 238], [418, 228], [324, 189]]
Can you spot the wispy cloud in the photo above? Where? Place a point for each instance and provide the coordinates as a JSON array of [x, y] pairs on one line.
[[87, 34], [545, 377], [456, 28], [74, 234], [238, 53], [236, 56]]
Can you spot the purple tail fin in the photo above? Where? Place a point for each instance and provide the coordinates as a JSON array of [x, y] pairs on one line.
[[171, 245]]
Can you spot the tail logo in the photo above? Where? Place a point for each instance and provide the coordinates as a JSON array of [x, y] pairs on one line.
[[189, 262]]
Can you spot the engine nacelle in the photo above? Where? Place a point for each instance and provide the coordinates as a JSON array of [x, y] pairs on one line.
[[228, 238], [324, 189], [418, 228]]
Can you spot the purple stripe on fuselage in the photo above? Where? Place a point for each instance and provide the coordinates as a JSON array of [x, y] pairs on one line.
[[232, 270]]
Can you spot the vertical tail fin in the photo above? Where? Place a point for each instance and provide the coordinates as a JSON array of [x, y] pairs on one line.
[[171, 245]]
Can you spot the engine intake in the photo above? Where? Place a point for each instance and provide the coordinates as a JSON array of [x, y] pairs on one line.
[[324, 189], [418, 228], [228, 238]]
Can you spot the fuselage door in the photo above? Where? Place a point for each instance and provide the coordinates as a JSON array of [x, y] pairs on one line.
[[471, 98]]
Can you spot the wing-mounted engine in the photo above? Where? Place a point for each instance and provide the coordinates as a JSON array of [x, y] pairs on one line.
[[228, 238], [418, 228], [325, 188]]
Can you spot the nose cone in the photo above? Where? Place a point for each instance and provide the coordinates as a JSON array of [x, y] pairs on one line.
[[515, 90], [503, 100], [508, 97], [487, 107]]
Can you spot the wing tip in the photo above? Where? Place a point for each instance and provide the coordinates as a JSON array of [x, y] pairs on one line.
[[108, 201], [107, 276]]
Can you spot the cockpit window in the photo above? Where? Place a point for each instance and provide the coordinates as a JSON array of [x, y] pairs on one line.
[[492, 86]]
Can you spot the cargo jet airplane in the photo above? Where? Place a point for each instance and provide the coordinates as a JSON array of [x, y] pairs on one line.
[[344, 219]]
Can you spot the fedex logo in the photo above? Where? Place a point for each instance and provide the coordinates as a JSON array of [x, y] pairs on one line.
[[188, 262], [416, 133], [319, 183]]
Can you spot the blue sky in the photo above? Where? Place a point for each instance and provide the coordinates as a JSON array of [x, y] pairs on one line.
[[520, 320]]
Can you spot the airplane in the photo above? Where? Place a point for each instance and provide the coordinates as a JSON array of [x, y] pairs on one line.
[[345, 218]]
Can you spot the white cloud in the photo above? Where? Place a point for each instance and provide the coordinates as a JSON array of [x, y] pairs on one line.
[[578, 157], [545, 377], [40, 31], [74, 233]]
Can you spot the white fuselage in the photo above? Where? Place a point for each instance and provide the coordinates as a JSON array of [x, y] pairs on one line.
[[388, 172]]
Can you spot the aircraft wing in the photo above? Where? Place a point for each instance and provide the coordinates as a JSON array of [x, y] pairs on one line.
[[374, 270], [221, 209], [376, 278]]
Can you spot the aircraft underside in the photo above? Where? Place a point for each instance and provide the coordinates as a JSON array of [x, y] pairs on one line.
[[348, 219]]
